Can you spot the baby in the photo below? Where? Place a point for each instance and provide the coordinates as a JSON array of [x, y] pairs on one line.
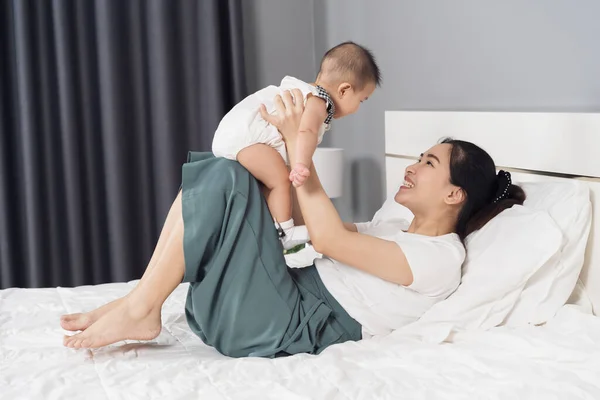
[[348, 76]]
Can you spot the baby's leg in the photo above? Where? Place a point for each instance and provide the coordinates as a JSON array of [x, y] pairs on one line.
[[266, 165]]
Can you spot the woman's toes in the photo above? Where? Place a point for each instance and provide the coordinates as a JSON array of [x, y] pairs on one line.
[[68, 341], [78, 343]]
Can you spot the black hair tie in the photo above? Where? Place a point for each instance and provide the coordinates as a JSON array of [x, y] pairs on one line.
[[503, 181]]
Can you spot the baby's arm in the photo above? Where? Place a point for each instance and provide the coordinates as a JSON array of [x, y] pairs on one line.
[[314, 114]]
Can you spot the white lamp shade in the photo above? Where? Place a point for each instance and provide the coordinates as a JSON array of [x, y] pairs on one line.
[[329, 164]]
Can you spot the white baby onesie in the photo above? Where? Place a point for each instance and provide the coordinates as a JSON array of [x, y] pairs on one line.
[[243, 126]]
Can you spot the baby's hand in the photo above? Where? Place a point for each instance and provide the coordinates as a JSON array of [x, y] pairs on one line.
[[299, 174]]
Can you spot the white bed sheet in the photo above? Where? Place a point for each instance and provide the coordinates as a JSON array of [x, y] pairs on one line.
[[558, 361]]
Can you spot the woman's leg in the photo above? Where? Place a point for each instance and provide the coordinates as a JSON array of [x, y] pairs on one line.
[[173, 217], [81, 321], [137, 316]]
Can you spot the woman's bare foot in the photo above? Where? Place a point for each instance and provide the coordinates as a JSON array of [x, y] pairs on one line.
[[125, 321], [81, 321]]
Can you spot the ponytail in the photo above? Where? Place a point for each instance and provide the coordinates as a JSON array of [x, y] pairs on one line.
[[514, 196], [487, 194]]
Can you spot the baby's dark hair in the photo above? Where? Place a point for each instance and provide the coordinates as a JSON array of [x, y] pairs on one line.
[[473, 170], [352, 62]]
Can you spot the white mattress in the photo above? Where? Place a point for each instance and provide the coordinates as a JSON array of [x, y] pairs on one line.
[[557, 361]]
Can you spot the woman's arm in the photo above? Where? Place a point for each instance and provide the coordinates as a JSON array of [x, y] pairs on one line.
[[299, 219], [350, 227], [330, 237], [328, 234]]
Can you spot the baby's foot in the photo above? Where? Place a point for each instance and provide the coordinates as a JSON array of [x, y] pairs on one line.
[[81, 321], [299, 174], [294, 236]]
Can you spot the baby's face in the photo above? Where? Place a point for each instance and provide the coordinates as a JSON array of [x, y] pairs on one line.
[[347, 101]]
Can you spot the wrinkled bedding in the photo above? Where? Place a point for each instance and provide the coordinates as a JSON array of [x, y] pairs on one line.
[[560, 360]]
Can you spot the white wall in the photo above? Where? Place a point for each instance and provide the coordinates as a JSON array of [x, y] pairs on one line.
[[510, 55]]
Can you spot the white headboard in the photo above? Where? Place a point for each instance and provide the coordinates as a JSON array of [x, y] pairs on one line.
[[533, 146]]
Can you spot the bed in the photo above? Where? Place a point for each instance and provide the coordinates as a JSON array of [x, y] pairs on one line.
[[559, 359]]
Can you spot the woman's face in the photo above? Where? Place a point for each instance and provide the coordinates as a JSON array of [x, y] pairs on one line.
[[427, 184]]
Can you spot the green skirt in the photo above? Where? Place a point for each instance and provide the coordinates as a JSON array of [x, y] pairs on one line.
[[243, 299]]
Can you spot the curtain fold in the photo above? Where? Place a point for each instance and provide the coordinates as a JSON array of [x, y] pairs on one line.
[[99, 103]]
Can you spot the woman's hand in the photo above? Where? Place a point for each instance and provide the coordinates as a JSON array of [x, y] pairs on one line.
[[288, 112]]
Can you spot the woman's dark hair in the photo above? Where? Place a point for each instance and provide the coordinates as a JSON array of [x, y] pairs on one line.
[[473, 170]]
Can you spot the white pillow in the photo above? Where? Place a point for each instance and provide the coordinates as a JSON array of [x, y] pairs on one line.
[[568, 203], [390, 210], [501, 257]]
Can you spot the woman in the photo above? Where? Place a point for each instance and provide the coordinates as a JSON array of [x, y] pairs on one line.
[[373, 278]]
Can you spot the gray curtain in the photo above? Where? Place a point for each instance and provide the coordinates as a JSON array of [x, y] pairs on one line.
[[99, 103]]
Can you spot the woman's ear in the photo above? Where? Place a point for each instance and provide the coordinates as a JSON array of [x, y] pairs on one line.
[[456, 196], [344, 88]]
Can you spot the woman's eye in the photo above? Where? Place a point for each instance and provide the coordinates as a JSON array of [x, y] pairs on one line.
[[429, 163]]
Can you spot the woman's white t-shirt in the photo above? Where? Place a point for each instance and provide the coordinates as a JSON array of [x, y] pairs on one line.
[[381, 306]]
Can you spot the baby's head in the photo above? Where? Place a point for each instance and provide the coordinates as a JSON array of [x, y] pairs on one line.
[[350, 74]]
